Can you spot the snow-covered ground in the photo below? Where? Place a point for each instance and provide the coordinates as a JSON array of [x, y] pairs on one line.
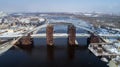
[[2, 14]]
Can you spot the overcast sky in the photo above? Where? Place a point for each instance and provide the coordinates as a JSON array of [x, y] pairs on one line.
[[105, 6]]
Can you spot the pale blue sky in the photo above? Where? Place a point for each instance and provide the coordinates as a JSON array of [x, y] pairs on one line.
[[105, 6]]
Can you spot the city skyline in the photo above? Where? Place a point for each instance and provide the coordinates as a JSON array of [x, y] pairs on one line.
[[104, 6]]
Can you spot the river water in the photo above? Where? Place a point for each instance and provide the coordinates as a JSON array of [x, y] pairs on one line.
[[61, 55]]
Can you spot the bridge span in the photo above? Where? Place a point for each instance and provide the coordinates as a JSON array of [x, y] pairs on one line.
[[26, 38], [49, 28], [59, 35]]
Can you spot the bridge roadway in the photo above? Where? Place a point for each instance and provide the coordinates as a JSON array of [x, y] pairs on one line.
[[34, 35], [64, 35], [7, 45], [59, 35]]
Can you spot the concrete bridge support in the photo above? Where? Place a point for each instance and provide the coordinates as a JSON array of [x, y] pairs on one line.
[[49, 35], [25, 41], [94, 39], [72, 35]]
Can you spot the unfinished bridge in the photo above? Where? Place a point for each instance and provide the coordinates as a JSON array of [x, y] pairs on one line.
[[50, 35], [27, 37], [71, 35]]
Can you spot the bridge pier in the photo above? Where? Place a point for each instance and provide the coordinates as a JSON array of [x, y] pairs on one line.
[[49, 35], [25, 41], [94, 39], [72, 35]]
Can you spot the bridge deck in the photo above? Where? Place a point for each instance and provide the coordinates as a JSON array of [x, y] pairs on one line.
[[6, 46], [58, 35]]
